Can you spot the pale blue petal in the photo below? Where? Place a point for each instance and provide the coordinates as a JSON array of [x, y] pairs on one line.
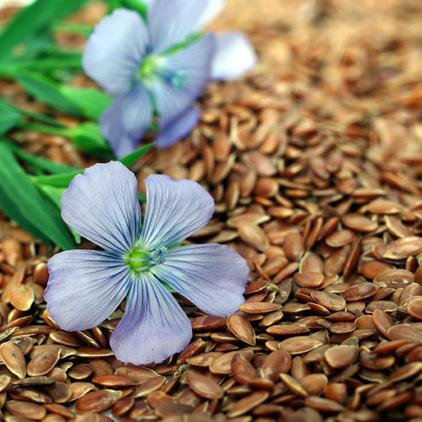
[[170, 22], [115, 51], [178, 129], [85, 287], [183, 78], [126, 120], [234, 56], [212, 8], [211, 276], [174, 211], [153, 326], [102, 206]]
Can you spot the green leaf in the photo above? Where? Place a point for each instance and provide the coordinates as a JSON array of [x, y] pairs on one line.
[[130, 159], [55, 61], [25, 204], [15, 213], [9, 108], [139, 6], [87, 137], [45, 90], [9, 117], [32, 20], [91, 102], [57, 180], [55, 196], [74, 28], [40, 163], [63, 180]]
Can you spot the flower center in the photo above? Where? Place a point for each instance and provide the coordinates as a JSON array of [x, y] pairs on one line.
[[140, 260], [137, 259], [148, 67], [155, 66]]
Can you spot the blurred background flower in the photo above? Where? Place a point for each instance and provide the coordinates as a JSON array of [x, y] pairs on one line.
[[155, 66]]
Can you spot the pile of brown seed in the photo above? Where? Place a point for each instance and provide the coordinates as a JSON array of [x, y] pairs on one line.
[[315, 164]]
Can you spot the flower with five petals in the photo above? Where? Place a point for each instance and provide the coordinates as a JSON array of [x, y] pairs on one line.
[[141, 260], [155, 68]]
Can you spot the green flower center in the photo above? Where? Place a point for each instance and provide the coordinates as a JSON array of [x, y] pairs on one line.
[[137, 259], [149, 67], [155, 66]]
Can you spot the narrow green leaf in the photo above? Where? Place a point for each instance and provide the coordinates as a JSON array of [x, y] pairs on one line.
[[56, 180], [74, 28], [33, 19], [45, 90], [63, 180], [55, 196], [130, 159], [4, 107], [91, 102], [15, 213], [139, 6], [54, 62], [24, 203], [9, 117], [87, 137], [41, 163]]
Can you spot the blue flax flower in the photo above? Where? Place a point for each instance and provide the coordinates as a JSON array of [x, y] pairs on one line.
[[140, 260], [159, 66]]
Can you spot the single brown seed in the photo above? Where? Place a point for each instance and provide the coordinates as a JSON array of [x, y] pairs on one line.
[[13, 358], [323, 405], [41, 273], [314, 384], [222, 364], [277, 362], [414, 307], [204, 386], [243, 371], [299, 345], [28, 410], [330, 301], [247, 403], [254, 236], [122, 406], [4, 381], [97, 401], [293, 385], [359, 223], [359, 291], [259, 307], [59, 410], [203, 359], [382, 321], [113, 381], [340, 238], [12, 251], [336, 391], [208, 323], [241, 328], [309, 279], [341, 356], [293, 246], [43, 362], [287, 329], [147, 387], [135, 373], [402, 248], [395, 278]]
